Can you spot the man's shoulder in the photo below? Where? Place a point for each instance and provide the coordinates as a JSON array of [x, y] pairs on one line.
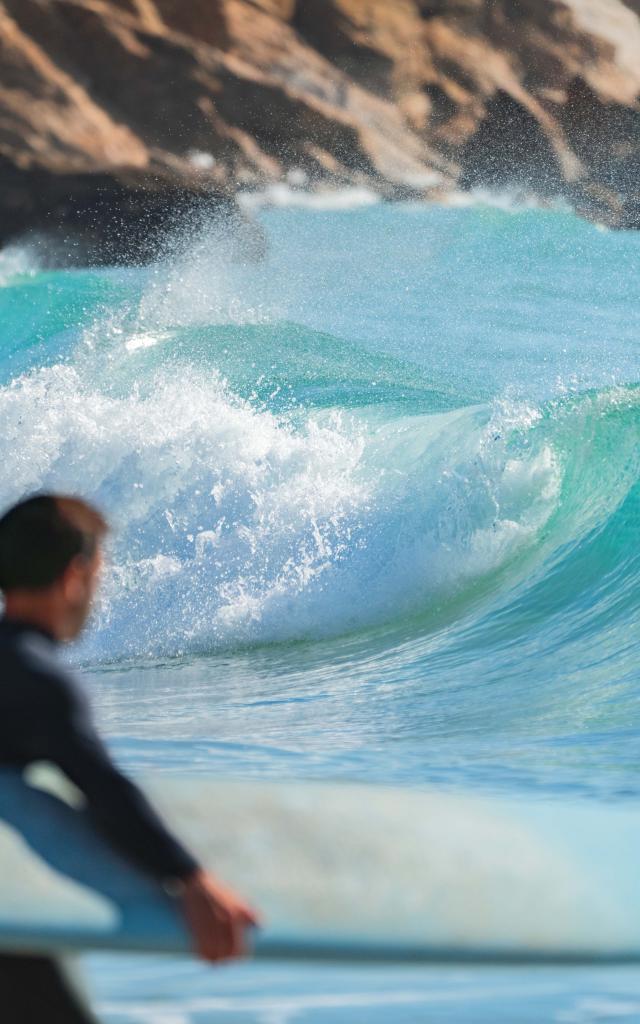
[[30, 660]]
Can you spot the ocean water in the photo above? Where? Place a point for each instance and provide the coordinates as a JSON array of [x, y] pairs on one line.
[[375, 504]]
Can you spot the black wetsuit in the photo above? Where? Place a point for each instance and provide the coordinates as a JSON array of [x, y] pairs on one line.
[[45, 716]]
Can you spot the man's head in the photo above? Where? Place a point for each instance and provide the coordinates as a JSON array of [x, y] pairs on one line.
[[50, 558]]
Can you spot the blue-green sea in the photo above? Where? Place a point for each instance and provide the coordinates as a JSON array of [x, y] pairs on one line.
[[375, 502]]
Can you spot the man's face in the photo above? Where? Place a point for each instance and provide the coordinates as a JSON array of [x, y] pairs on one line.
[[79, 587]]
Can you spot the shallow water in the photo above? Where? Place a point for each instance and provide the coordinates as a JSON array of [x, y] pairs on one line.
[[280, 994], [376, 516]]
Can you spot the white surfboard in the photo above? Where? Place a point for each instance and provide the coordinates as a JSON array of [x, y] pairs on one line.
[[346, 872]]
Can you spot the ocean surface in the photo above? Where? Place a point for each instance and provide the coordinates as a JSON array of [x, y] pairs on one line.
[[376, 516]]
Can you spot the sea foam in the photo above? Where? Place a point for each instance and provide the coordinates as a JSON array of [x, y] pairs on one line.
[[233, 525]]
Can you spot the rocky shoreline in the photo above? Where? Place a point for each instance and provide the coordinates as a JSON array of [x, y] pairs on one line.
[[117, 117]]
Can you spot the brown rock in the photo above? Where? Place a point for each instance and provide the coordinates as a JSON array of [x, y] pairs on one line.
[[117, 116]]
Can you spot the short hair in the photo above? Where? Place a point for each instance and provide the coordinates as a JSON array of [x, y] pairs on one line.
[[41, 536]]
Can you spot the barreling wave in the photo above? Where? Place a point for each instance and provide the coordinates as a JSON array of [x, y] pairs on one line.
[[238, 525], [555, 637]]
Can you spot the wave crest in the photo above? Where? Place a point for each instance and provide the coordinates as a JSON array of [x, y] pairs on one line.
[[234, 526]]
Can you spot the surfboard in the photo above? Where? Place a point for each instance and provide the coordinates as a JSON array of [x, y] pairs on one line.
[[338, 871]]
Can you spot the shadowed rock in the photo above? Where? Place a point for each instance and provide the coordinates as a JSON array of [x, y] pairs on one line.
[[120, 117]]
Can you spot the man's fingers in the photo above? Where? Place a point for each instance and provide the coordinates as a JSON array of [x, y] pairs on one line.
[[215, 944], [250, 917], [210, 929], [218, 920], [246, 914], [234, 926], [232, 942], [224, 931]]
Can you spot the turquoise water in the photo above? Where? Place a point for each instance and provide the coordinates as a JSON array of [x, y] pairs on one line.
[[375, 505]]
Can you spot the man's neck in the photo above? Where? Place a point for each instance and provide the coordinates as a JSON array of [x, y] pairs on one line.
[[32, 610]]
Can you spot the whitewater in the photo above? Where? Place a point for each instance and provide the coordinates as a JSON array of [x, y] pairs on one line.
[[375, 505]]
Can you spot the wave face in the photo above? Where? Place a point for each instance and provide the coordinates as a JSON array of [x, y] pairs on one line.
[[309, 451], [234, 525]]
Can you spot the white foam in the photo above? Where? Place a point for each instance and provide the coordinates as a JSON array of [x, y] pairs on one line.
[[233, 526], [281, 1009], [282, 194], [16, 261], [599, 1009], [144, 339], [508, 200]]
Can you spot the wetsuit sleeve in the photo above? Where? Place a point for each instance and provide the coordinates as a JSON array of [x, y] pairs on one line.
[[121, 811]]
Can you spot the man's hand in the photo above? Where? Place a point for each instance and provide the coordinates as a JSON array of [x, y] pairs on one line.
[[216, 917]]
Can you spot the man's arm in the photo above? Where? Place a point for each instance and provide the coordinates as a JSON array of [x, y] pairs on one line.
[[119, 808], [216, 917]]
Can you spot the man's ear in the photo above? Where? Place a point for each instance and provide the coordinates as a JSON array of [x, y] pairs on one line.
[[74, 581]]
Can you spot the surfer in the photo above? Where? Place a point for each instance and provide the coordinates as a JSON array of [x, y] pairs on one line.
[[50, 560]]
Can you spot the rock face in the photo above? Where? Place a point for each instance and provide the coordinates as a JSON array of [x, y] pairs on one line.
[[117, 116]]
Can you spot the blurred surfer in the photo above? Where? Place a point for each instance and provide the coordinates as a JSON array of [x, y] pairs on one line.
[[50, 561]]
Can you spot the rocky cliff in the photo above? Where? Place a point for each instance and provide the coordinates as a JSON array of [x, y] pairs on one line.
[[117, 116]]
